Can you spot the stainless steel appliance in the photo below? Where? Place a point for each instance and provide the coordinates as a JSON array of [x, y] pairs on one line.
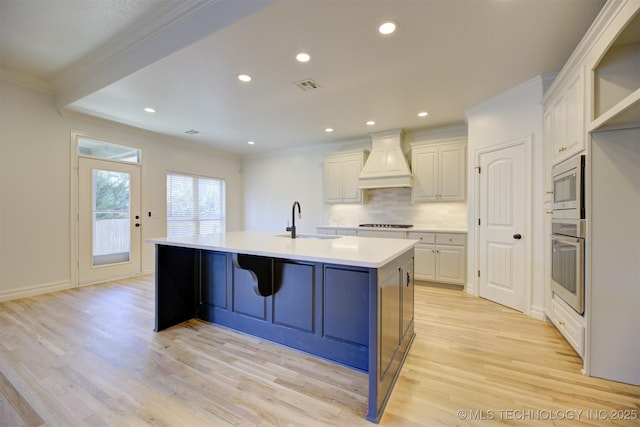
[[568, 188], [567, 261], [387, 225]]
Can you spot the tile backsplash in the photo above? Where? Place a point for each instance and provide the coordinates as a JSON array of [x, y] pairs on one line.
[[394, 206]]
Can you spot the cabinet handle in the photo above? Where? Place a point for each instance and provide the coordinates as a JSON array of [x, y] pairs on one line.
[[548, 212], [560, 322], [549, 192]]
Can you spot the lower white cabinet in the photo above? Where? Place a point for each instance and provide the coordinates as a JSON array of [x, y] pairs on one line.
[[393, 234], [440, 257], [337, 231], [569, 323]]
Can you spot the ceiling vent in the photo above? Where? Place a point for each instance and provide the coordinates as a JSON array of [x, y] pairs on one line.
[[307, 85], [193, 132]]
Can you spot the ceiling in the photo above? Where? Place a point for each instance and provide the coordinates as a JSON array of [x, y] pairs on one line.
[[113, 58]]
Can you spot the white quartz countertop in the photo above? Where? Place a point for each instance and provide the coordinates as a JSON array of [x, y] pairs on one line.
[[419, 228], [343, 250]]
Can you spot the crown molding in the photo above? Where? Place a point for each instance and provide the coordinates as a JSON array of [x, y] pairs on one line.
[[27, 80], [607, 15]]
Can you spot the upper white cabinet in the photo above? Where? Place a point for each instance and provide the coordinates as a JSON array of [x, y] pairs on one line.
[[564, 119], [616, 79], [341, 172], [439, 171]]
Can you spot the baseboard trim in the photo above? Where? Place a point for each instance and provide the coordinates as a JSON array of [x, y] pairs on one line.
[[34, 290], [537, 312]]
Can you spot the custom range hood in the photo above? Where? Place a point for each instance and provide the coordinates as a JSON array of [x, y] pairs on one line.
[[387, 166]]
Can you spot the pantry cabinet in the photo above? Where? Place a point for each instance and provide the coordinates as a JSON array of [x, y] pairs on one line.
[[440, 257], [439, 171], [564, 119], [341, 173]]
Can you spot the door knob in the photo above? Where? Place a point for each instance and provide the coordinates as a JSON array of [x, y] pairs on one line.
[[517, 236]]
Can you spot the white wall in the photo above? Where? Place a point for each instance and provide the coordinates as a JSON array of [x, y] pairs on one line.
[[272, 182], [514, 114], [35, 186]]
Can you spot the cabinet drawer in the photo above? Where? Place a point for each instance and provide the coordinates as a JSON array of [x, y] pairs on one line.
[[422, 236], [382, 234], [330, 231], [451, 239], [568, 325], [346, 232]]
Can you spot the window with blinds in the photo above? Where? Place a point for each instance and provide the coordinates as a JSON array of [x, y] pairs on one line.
[[195, 205]]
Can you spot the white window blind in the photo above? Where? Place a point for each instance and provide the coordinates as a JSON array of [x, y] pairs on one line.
[[195, 205]]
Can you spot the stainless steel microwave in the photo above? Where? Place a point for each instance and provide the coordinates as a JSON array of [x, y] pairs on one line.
[[568, 189]]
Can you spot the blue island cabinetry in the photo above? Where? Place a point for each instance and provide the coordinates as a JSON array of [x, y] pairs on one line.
[[356, 316]]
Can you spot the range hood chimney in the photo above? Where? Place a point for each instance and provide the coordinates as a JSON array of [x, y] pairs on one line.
[[387, 166]]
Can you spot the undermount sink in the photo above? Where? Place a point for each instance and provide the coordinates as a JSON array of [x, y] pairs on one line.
[[310, 236]]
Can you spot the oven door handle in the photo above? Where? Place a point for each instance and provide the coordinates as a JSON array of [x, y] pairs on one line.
[[565, 239]]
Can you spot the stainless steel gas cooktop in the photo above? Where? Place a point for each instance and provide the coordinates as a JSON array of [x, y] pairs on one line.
[[387, 225]]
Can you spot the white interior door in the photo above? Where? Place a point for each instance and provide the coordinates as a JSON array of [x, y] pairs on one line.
[[109, 225], [502, 207]]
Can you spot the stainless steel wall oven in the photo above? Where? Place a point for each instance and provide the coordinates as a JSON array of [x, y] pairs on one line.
[[567, 261]]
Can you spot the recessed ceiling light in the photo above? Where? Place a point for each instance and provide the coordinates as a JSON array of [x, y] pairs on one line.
[[149, 110], [251, 142], [371, 123], [303, 57], [244, 77], [328, 130], [388, 27], [423, 114]]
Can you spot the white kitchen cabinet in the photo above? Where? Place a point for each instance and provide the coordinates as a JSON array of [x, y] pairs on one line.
[[569, 323], [564, 120], [439, 171], [598, 89], [341, 172], [336, 231], [384, 234], [440, 257]]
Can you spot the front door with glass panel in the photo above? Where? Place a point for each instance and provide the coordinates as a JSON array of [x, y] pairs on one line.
[[109, 220]]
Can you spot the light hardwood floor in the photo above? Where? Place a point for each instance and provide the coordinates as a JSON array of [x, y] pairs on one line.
[[89, 356]]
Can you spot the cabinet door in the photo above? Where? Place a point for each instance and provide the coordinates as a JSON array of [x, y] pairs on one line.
[[574, 117], [332, 180], [351, 168], [425, 174], [548, 150], [559, 129], [407, 291], [425, 265], [452, 173], [450, 264], [389, 309]]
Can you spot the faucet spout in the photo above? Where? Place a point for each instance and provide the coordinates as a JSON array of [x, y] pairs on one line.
[[292, 229]]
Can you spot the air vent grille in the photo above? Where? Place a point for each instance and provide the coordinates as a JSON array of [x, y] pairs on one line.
[[307, 85]]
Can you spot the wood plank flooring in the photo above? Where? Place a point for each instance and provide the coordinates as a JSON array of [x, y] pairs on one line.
[[89, 356]]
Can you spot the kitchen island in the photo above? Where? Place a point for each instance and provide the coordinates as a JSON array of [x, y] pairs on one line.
[[345, 299]]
